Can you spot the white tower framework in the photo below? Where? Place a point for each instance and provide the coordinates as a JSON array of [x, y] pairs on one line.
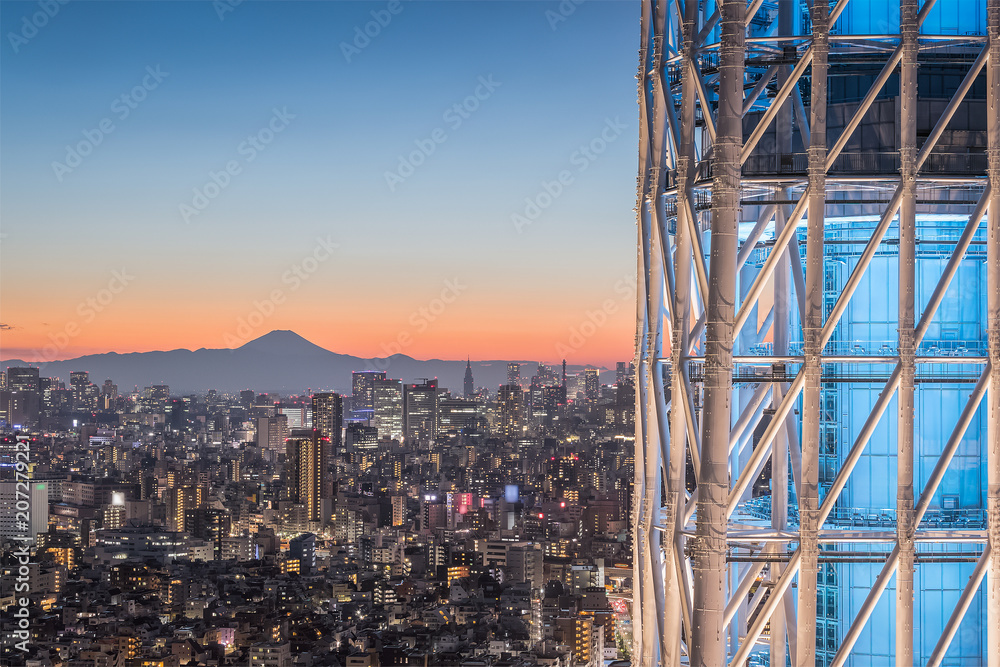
[[817, 470]]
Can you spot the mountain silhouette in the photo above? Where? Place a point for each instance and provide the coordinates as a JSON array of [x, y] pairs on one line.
[[280, 361]]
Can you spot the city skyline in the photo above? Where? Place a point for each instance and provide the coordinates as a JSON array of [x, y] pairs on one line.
[[205, 167]]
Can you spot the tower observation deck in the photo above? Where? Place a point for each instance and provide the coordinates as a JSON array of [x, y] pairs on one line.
[[818, 346]]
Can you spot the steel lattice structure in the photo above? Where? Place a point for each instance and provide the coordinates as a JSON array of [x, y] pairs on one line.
[[763, 198]]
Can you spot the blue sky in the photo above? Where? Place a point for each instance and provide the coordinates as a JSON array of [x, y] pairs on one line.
[[554, 87]]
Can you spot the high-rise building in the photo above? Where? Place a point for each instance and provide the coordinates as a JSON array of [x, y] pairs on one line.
[[514, 373], [624, 370], [22, 379], [824, 230], [458, 414], [22, 397], [180, 500], [109, 394], [388, 408], [525, 562], [592, 383], [510, 399], [470, 385], [361, 437], [305, 468], [328, 417], [16, 503], [398, 510], [363, 390], [79, 381], [212, 524], [247, 397], [420, 410], [271, 432]]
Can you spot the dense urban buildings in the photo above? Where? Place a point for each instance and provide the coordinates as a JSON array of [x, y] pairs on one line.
[[487, 526], [819, 336]]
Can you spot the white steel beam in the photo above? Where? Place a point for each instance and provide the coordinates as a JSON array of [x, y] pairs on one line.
[[776, 104], [905, 527], [812, 328], [964, 602], [882, 581], [993, 327], [708, 647]]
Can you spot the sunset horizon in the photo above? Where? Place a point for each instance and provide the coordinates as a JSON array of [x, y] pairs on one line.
[[49, 352]]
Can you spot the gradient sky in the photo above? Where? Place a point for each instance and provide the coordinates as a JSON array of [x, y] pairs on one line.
[[189, 284]]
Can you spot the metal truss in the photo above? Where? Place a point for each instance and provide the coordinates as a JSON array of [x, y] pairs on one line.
[[716, 82]]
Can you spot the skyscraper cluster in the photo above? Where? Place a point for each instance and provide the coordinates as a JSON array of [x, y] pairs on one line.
[[400, 523]]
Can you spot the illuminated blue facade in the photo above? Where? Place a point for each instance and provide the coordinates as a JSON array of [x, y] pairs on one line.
[[817, 204]]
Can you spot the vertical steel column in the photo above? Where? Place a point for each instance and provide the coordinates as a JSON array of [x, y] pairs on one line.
[[642, 590], [993, 324], [709, 553], [781, 330], [909, 33], [812, 333], [681, 312]]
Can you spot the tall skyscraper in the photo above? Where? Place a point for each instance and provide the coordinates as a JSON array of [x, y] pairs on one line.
[[458, 414], [363, 388], [420, 410], [592, 383], [79, 381], [510, 399], [22, 379], [514, 373], [624, 370], [181, 500], [305, 469], [109, 394], [388, 409], [23, 395], [328, 417], [470, 385]]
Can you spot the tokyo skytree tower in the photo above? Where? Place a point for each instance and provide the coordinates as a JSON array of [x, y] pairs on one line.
[[817, 463]]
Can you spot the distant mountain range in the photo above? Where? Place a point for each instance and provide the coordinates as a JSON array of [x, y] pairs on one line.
[[280, 361]]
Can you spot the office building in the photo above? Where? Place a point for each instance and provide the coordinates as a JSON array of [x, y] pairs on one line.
[[420, 411], [19, 500], [305, 469], [388, 408]]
